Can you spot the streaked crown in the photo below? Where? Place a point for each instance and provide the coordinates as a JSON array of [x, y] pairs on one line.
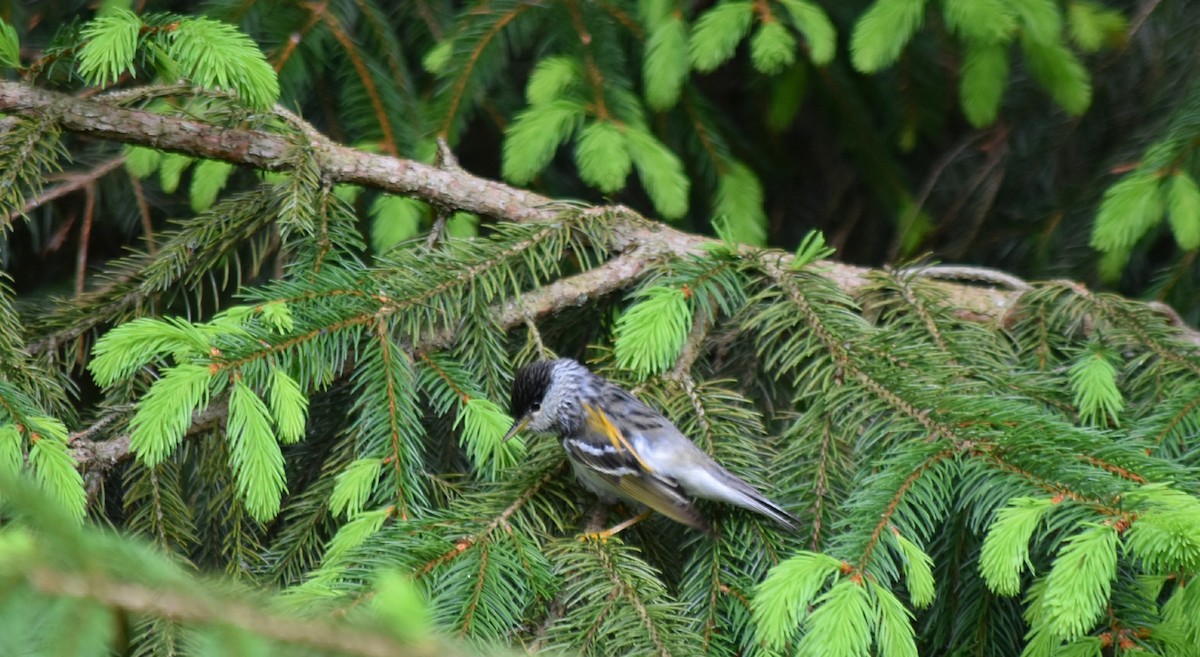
[[546, 395], [529, 387]]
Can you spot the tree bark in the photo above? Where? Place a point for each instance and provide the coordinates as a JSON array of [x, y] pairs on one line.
[[638, 241], [448, 186]]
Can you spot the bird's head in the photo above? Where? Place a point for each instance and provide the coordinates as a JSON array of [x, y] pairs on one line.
[[544, 396]]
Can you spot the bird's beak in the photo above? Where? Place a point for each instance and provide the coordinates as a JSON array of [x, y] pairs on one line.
[[516, 428]]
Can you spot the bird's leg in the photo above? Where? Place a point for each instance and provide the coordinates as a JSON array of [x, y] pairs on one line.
[[615, 529], [599, 513]]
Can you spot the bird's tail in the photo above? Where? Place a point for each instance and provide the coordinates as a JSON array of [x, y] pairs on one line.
[[757, 502], [718, 483]]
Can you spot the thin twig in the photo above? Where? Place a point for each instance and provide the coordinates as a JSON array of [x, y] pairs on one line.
[[975, 275], [101, 424], [543, 351], [97, 457], [692, 348], [139, 194], [71, 182], [438, 228], [1139, 19], [931, 180], [85, 235]]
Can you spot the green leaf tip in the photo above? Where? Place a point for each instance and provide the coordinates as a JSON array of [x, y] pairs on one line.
[[651, 334]]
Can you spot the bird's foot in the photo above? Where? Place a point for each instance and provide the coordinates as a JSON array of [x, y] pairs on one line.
[[599, 537], [603, 536]]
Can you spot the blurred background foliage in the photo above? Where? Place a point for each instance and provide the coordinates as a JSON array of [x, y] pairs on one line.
[[978, 132]]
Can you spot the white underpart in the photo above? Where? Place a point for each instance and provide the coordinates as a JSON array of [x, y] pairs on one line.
[[695, 472], [702, 483]]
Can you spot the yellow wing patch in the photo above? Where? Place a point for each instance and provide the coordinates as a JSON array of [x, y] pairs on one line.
[[599, 422]]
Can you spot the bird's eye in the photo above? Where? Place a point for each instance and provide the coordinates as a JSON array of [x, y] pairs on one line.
[[536, 407]]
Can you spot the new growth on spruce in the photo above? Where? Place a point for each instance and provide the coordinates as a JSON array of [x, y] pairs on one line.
[[306, 380]]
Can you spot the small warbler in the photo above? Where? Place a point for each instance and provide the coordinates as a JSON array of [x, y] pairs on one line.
[[620, 448]]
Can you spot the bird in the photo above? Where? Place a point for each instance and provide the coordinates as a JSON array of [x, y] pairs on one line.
[[622, 449]]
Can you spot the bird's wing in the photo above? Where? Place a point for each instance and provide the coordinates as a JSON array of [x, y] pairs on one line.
[[689, 470], [610, 456]]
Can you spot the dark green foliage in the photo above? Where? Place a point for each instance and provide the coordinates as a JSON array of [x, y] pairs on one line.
[[768, 116], [497, 558], [31, 149], [310, 414]]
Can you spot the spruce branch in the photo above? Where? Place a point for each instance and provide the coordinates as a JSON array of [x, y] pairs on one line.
[[97, 457], [837, 349], [467, 70], [886, 517], [1121, 317], [622, 588], [821, 489], [1178, 418], [1059, 489], [353, 53], [500, 521], [449, 187], [919, 307], [692, 349], [181, 606], [899, 413], [272, 152], [396, 457], [639, 243]]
